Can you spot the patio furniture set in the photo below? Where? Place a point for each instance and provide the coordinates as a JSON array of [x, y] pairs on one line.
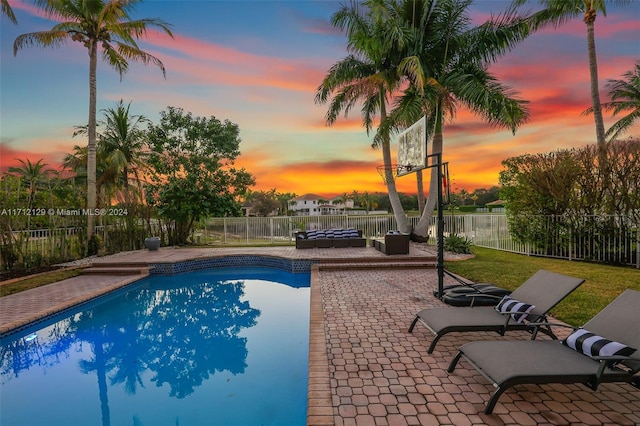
[[394, 242]]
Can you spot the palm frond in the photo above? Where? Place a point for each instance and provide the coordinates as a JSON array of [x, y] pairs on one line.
[[8, 12], [41, 38]]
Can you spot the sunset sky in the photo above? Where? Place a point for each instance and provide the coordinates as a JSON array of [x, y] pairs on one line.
[[258, 64]]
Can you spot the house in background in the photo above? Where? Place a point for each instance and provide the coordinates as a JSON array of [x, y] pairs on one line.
[[315, 205]]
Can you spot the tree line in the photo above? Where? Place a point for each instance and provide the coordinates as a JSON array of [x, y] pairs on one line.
[[161, 179]]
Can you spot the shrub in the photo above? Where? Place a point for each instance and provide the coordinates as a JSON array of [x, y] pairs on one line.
[[457, 244], [94, 245], [467, 209]]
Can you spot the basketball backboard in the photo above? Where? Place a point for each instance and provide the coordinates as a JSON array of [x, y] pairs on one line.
[[412, 148]]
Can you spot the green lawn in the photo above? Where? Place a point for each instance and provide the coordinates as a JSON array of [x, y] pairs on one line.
[[603, 282], [36, 281]]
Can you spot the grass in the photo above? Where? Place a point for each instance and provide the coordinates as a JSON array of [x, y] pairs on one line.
[[28, 283], [603, 282]]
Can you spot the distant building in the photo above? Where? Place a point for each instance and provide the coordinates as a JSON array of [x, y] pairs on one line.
[[315, 205], [497, 206]]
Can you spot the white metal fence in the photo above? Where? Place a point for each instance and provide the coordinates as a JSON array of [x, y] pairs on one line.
[[580, 240], [595, 238]]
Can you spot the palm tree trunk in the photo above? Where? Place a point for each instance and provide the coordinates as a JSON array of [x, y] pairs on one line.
[[420, 184], [421, 231], [595, 94], [589, 19], [91, 147], [394, 198]]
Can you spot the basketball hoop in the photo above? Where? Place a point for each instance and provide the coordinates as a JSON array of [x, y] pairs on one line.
[[393, 169]]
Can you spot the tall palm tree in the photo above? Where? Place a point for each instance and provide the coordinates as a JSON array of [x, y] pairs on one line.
[[625, 96], [97, 24], [368, 75], [8, 12], [557, 12], [446, 62]]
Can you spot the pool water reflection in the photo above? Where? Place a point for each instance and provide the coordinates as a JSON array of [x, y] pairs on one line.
[[218, 347]]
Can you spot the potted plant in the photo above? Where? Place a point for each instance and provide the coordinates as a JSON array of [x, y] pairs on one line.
[[152, 243]]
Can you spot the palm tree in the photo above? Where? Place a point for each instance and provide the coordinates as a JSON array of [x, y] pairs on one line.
[[122, 143], [8, 12], [446, 62], [33, 176], [96, 24], [556, 13], [625, 96], [77, 163], [368, 75]]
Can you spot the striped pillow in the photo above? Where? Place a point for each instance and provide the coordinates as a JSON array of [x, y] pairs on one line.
[[518, 310], [592, 345]]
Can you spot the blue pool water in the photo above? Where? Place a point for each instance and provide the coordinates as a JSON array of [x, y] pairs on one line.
[[217, 347]]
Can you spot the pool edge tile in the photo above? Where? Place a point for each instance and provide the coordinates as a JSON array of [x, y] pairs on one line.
[[319, 399]]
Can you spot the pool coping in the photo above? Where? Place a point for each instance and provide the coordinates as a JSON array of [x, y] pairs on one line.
[[319, 398]]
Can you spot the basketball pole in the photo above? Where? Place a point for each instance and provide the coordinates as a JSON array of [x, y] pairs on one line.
[[440, 228]]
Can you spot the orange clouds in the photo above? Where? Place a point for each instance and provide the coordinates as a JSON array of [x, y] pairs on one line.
[[9, 158]]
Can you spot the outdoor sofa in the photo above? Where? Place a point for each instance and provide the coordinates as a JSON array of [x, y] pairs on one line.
[[330, 238]]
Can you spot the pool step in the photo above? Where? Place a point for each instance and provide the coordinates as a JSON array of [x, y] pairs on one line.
[[122, 268]]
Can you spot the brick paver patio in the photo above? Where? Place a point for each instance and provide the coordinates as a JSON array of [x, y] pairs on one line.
[[365, 368], [382, 375]]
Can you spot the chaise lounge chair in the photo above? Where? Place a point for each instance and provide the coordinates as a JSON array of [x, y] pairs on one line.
[[509, 363], [543, 291]]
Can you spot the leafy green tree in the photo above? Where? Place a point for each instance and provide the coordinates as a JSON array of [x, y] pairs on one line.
[[535, 188], [556, 13], [96, 24], [625, 96], [559, 199], [539, 184], [284, 198], [191, 170], [484, 196], [263, 203]]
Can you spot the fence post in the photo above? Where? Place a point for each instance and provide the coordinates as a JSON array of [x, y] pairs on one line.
[[638, 246], [271, 230], [570, 243]]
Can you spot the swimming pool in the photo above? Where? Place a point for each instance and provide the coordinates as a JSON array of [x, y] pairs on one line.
[[217, 347]]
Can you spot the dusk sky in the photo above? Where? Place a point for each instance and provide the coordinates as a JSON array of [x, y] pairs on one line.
[[259, 63]]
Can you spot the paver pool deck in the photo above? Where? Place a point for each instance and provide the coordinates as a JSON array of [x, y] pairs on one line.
[[364, 367]]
